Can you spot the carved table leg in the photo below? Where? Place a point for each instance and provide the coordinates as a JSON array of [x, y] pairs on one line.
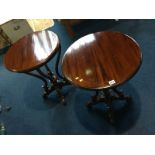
[[93, 101], [55, 84], [108, 96], [57, 63], [64, 82], [122, 96]]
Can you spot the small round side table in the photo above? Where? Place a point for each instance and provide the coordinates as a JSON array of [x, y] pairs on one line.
[[33, 51], [102, 61]]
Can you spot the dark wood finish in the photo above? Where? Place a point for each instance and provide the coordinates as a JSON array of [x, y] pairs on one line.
[[101, 60], [32, 51], [108, 96], [53, 85]]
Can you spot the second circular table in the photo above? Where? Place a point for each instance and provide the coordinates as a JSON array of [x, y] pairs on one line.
[[102, 61]]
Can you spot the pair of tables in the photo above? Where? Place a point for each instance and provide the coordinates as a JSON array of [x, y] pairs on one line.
[[100, 62]]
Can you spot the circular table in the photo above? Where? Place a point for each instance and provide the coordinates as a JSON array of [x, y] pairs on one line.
[[102, 61], [32, 52]]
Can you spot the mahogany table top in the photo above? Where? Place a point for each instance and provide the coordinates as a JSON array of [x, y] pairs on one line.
[[32, 51], [101, 60]]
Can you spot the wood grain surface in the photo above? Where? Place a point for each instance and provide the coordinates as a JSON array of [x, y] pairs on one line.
[[32, 51], [101, 60]]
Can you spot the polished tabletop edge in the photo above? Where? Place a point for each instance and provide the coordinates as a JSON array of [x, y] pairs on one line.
[[32, 51], [101, 60]]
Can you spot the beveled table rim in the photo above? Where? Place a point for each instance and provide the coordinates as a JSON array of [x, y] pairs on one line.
[[110, 86], [39, 65]]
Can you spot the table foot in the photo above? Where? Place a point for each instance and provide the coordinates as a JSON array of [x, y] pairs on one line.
[[61, 97], [108, 96], [93, 101], [122, 96], [51, 83]]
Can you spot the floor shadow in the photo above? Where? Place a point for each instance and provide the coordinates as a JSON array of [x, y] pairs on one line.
[[39, 103], [95, 120], [42, 104]]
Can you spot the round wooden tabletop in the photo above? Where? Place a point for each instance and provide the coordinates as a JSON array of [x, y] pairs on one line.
[[32, 51], [101, 60]]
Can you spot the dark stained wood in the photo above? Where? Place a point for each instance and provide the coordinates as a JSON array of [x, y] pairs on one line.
[[101, 60], [32, 51]]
